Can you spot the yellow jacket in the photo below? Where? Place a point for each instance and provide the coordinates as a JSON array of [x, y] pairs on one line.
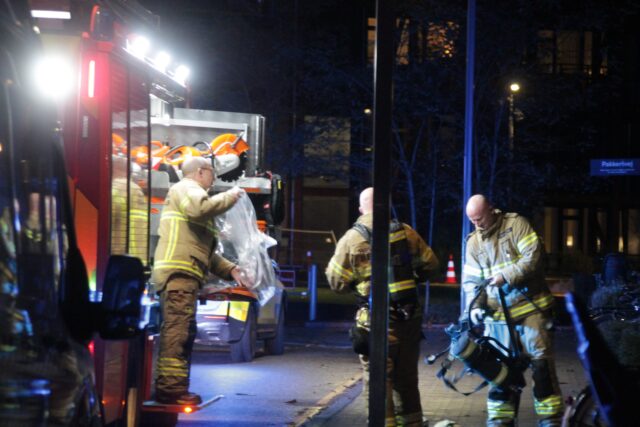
[[188, 235], [349, 269], [138, 220], [512, 248]]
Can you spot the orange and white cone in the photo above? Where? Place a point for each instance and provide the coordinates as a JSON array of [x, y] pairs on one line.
[[451, 272]]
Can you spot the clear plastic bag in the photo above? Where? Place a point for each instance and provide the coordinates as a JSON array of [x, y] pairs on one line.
[[241, 242]]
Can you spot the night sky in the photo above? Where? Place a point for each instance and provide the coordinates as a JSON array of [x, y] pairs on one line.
[[576, 62]]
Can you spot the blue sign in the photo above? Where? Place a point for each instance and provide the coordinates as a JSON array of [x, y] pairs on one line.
[[607, 167]]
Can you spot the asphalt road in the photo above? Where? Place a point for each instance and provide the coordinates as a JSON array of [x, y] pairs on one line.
[[281, 390], [316, 383]]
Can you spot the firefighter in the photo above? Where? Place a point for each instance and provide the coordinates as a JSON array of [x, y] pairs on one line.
[[505, 251], [411, 261], [183, 257], [127, 213]]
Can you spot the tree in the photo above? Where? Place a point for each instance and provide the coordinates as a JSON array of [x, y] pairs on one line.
[[296, 62]]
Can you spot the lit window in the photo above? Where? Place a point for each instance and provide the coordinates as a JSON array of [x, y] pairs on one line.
[[570, 52], [402, 53], [418, 42], [441, 39]]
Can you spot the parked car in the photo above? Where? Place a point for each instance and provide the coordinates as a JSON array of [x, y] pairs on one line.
[[233, 317]]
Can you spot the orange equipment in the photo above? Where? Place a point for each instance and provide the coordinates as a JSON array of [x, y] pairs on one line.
[[229, 143], [178, 154]]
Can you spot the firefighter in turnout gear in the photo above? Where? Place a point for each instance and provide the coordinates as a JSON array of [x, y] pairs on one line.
[[411, 261], [183, 257], [505, 250], [129, 215]]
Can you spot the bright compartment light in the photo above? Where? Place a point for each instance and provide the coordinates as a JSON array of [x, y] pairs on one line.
[[162, 61], [54, 76], [181, 74], [138, 46]]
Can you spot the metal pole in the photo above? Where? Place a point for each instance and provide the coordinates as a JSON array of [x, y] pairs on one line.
[[379, 299], [468, 129], [312, 288], [511, 127], [510, 163], [425, 309], [294, 124]]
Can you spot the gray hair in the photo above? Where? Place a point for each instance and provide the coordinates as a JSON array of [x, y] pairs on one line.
[[192, 164]]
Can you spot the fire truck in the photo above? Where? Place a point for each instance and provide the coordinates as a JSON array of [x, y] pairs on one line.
[[125, 132], [47, 318]]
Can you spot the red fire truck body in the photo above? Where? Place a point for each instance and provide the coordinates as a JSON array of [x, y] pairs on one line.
[[116, 118], [105, 119]]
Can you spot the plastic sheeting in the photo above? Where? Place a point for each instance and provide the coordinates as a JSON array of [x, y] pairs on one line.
[[241, 242]]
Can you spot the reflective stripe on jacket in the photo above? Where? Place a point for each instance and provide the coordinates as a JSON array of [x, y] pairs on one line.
[[129, 215], [349, 269], [402, 284], [512, 248], [188, 235]]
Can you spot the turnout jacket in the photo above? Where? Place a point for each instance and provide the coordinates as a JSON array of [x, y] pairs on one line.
[[188, 235], [133, 218], [512, 248], [349, 269]]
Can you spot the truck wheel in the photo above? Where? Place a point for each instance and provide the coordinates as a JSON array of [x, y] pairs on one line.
[[245, 349], [275, 345]]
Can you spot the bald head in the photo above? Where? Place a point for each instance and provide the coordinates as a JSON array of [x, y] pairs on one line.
[[480, 212], [192, 164], [200, 170], [366, 201], [119, 166]]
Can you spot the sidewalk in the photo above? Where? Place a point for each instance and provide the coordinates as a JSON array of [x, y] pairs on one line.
[[440, 403]]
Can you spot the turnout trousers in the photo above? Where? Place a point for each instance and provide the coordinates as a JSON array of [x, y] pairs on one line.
[[177, 333], [535, 336], [403, 406]]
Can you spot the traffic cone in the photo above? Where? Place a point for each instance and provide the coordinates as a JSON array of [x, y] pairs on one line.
[[451, 272]]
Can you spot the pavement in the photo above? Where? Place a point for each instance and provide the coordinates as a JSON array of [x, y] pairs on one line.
[[347, 407]]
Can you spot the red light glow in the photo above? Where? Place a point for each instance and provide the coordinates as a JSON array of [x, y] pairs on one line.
[[91, 84]]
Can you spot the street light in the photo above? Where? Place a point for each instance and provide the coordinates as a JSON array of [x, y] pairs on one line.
[[513, 89]]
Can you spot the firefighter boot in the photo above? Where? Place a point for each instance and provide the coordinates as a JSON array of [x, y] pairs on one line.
[[502, 408], [546, 392]]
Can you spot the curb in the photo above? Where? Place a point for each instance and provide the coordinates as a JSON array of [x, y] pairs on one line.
[[312, 413]]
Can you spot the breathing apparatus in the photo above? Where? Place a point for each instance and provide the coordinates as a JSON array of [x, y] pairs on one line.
[[498, 365]]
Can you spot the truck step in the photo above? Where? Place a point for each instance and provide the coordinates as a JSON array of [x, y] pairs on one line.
[[153, 406]]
